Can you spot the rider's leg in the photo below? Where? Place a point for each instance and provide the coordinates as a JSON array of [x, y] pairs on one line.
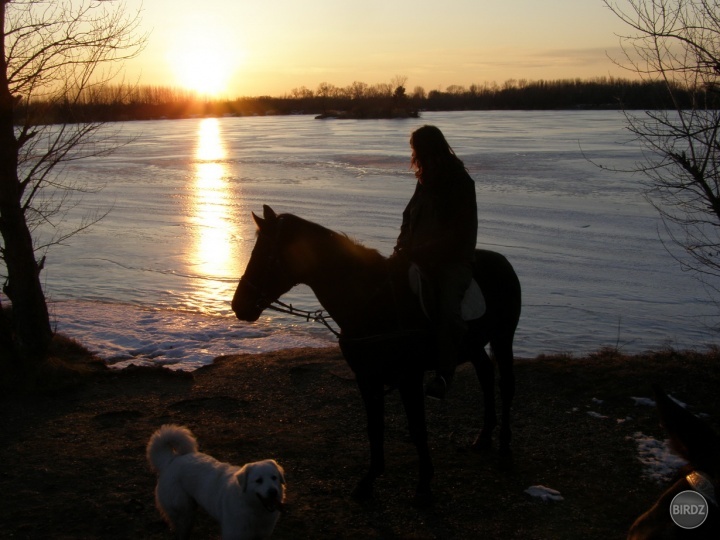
[[452, 282]]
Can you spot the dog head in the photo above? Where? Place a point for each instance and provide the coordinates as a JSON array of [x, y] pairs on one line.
[[266, 481]]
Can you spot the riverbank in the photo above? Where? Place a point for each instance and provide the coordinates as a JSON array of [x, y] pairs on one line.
[[74, 465]]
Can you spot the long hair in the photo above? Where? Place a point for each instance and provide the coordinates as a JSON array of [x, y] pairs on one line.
[[432, 155]]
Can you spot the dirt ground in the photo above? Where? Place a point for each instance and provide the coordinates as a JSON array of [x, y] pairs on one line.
[[73, 460]]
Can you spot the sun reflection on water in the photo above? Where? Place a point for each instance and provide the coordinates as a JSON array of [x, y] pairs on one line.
[[213, 257]]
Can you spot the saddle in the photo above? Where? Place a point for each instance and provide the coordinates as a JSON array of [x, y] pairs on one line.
[[473, 302]]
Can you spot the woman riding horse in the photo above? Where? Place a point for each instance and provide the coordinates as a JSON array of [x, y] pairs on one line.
[[439, 233], [384, 336]]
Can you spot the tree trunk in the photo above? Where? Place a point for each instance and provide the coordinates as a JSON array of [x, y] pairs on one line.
[[30, 319]]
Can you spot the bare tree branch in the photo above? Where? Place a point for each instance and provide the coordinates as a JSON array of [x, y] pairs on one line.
[[51, 53], [678, 42]]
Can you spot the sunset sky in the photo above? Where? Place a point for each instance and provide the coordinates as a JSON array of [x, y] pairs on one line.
[[268, 47]]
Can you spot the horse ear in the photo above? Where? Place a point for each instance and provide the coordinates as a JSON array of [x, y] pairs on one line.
[[691, 437], [268, 213], [260, 222]]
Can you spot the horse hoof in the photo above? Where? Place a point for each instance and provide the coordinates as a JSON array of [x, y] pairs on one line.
[[423, 499]]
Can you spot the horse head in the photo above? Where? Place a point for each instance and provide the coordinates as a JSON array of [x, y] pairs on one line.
[[693, 439], [268, 274]]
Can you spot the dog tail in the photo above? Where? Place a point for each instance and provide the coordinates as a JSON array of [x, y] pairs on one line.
[[168, 442]]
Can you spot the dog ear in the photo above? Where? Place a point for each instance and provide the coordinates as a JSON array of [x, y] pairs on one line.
[[280, 470], [243, 477]]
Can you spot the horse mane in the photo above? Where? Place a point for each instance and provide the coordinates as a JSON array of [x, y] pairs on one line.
[[341, 242]]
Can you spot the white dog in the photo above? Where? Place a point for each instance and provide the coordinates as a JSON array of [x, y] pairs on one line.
[[246, 501]]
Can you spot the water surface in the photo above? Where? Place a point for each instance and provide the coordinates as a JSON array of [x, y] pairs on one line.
[[152, 282]]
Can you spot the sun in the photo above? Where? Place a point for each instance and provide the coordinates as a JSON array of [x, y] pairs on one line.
[[204, 64]]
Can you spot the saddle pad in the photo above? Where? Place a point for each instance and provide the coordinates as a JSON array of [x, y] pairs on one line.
[[473, 303]]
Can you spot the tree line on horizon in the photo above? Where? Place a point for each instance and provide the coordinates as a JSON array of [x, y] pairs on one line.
[[109, 103]]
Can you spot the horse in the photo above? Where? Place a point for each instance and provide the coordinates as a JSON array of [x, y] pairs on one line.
[[696, 441], [384, 335]]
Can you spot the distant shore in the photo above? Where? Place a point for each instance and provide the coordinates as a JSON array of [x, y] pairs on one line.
[[154, 103]]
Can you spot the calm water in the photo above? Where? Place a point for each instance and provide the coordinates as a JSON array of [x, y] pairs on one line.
[[154, 279]]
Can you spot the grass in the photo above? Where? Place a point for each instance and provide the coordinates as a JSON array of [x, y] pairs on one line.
[[67, 365], [74, 464]]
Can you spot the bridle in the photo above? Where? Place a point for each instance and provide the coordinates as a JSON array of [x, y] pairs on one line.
[[318, 315], [273, 261]]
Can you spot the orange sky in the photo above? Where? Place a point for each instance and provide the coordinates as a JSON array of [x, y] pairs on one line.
[[268, 47]]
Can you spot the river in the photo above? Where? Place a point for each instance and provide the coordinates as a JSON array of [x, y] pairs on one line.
[[151, 283]]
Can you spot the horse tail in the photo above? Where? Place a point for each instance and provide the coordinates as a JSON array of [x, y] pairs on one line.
[[500, 286]]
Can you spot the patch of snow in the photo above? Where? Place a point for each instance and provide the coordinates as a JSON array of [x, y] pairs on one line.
[[644, 401], [596, 415], [177, 340], [651, 402], [683, 405], [659, 461], [544, 493]]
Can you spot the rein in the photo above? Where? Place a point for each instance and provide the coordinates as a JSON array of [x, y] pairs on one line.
[[318, 315]]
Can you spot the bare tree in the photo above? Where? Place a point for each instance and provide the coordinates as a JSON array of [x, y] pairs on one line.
[[52, 54], [677, 42], [357, 90], [456, 89], [398, 81]]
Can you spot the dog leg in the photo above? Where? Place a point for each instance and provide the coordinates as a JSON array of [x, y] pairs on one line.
[[182, 519]]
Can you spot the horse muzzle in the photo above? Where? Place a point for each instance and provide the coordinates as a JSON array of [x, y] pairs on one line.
[[246, 312], [245, 307]]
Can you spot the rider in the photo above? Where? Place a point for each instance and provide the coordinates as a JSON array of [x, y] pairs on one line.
[[439, 233]]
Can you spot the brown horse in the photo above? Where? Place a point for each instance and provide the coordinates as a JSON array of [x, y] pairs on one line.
[[694, 440], [384, 337]]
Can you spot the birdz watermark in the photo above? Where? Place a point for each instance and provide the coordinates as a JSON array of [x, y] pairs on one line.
[[689, 509]]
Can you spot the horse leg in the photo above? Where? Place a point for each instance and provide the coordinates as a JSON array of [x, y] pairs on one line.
[[485, 370], [503, 351], [413, 398], [374, 400]]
